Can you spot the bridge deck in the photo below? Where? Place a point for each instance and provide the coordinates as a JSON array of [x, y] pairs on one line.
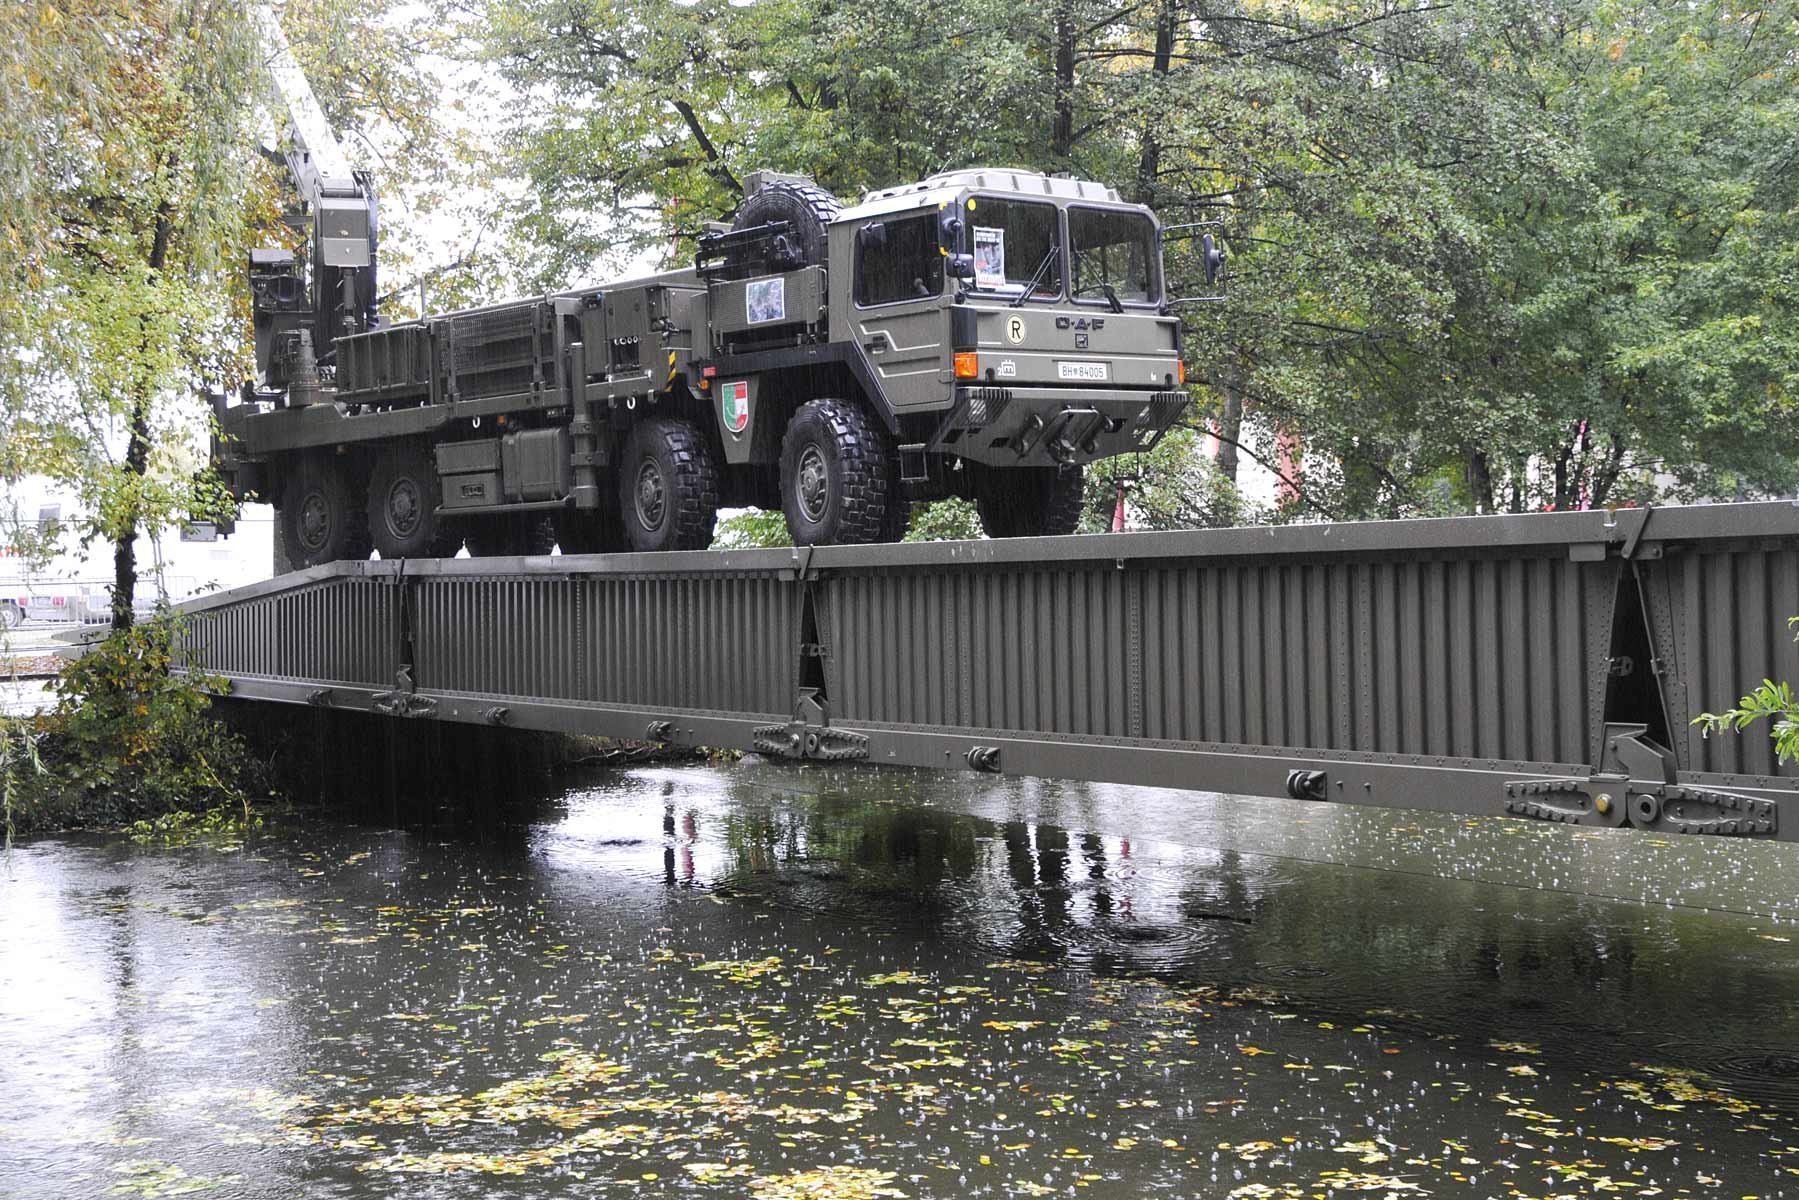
[[1546, 666]]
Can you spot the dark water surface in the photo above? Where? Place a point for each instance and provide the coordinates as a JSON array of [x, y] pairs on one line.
[[779, 982]]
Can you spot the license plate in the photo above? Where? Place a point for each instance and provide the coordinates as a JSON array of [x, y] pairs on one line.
[[1092, 372]]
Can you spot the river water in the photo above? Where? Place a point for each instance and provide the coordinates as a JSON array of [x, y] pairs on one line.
[[770, 981]]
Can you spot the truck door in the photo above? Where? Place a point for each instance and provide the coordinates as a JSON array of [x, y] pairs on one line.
[[898, 309]]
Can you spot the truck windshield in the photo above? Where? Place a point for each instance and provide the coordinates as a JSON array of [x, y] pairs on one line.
[[1113, 249], [1011, 240]]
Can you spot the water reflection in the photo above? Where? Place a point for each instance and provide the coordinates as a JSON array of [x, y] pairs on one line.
[[768, 981]]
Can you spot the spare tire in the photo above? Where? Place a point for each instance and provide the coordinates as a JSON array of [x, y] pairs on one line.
[[807, 209]]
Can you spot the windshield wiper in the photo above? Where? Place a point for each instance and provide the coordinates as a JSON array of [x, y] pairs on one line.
[[1049, 256], [1112, 297]]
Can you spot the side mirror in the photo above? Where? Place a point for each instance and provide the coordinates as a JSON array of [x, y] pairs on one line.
[[959, 266], [871, 236], [1214, 258], [949, 229]]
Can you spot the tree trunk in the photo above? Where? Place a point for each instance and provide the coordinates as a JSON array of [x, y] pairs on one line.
[[1606, 477], [1562, 459], [124, 546], [1062, 133], [1230, 423], [1149, 161], [1480, 482], [137, 452]]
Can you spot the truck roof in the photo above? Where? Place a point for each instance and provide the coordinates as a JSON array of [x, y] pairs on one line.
[[944, 187]]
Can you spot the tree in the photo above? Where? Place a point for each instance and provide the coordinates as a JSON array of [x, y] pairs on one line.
[[124, 248], [1490, 256], [124, 227]]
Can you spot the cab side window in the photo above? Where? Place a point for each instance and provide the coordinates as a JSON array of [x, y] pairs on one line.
[[898, 260]]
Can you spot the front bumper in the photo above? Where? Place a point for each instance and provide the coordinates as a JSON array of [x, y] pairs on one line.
[[1046, 427]]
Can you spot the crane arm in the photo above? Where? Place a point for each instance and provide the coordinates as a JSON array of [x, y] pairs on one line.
[[341, 201], [313, 154]]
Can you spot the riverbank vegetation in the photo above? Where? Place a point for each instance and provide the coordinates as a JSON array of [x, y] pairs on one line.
[[127, 741]]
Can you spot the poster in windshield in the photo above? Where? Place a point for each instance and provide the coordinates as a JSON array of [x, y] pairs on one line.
[[989, 257]]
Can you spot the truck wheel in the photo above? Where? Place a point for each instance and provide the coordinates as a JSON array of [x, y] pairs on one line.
[[404, 493], [1029, 501], [668, 487], [11, 615], [497, 537], [838, 477], [321, 518]]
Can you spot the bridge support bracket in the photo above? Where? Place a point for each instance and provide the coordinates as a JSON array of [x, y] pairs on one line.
[[983, 758], [403, 700], [810, 735], [1637, 784], [1308, 785]]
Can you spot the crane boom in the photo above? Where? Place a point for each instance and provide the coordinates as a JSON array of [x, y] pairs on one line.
[[339, 298], [313, 154]]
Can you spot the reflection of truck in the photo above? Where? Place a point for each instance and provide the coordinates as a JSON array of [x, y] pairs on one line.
[[983, 334]]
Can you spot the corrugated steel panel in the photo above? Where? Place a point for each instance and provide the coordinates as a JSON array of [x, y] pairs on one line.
[[1718, 614], [714, 641], [339, 630], [1485, 656]]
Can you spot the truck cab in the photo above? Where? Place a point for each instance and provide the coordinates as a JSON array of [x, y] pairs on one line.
[[1055, 350], [1004, 328]]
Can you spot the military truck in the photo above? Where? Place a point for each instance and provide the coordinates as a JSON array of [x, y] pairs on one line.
[[983, 334]]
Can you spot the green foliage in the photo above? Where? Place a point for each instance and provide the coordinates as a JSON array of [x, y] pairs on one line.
[[21, 767], [1175, 486], [1772, 702], [1487, 256], [130, 739], [221, 826], [938, 521], [944, 521], [751, 528]]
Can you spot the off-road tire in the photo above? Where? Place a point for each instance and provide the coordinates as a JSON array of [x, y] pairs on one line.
[[321, 517], [11, 615], [807, 209], [498, 537], [403, 498], [683, 509], [1029, 501], [838, 476]]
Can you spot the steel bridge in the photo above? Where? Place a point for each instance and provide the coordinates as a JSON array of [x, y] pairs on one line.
[[1545, 666]]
